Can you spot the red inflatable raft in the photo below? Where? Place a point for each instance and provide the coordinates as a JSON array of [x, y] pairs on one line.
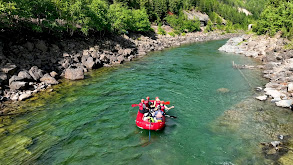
[[147, 125]]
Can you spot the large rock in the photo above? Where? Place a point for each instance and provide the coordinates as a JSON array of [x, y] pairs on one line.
[[88, 61], [74, 73], [48, 79], [262, 98], [41, 45], [284, 103], [120, 59], [25, 95], [9, 68], [16, 85], [203, 18], [24, 74], [14, 78], [36, 73]]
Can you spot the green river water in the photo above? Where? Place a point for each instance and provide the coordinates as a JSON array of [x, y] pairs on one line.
[[92, 122]]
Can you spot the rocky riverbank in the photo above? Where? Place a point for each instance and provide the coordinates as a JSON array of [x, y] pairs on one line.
[[277, 64], [29, 66]]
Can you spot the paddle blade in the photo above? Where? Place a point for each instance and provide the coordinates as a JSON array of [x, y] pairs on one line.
[[174, 117], [134, 105], [167, 103]]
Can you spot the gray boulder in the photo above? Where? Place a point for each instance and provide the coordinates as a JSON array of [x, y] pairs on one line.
[[25, 95], [36, 73], [203, 18], [48, 79], [120, 59], [74, 73], [88, 61], [14, 78], [16, 85], [24, 74], [53, 74]]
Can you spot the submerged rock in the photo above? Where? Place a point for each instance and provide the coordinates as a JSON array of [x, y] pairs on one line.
[[284, 103], [223, 90], [262, 98]]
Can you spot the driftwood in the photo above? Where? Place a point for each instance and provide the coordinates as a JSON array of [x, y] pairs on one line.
[[237, 66]]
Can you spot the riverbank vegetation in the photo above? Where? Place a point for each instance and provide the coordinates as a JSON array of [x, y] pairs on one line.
[[277, 16], [119, 16]]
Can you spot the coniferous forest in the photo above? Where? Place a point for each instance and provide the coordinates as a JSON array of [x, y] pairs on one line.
[[122, 16]]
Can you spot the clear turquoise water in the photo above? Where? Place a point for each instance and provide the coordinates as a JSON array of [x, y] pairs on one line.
[[92, 121]]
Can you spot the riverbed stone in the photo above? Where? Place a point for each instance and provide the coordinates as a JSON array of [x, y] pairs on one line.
[[14, 97], [24, 74], [48, 79], [16, 85], [262, 98], [25, 95], [74, 73], [284, 103], [89, 62], [36, 73], [53, 74], [14, 78]]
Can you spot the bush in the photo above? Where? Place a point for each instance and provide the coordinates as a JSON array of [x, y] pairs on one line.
[[183, 34], [161, 30], [209, 27], [277, 16], [172, 34], [182, 24]]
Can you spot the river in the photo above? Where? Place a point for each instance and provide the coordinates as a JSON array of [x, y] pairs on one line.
[[92, 122]]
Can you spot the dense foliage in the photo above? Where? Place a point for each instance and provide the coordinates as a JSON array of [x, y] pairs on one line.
[[119, 16], [277, 16], [72, 15]]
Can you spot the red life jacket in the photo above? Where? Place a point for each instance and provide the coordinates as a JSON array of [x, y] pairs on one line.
[[140, 106], [162, 108], [157, 103], [146, 103]]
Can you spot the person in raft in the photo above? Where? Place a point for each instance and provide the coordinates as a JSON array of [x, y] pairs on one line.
[[160, 111], [157, 101], [147, 102], [142, 107], [164, 107]]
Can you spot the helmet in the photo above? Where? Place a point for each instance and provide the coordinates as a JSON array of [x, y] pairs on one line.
[[157, 98], [142, 100], [147, 97]]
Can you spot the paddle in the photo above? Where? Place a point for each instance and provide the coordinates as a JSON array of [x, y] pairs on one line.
[[135, 105], [174, 117]]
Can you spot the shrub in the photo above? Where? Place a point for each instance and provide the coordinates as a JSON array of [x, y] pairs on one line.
[[161, 30], [172, 34]]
